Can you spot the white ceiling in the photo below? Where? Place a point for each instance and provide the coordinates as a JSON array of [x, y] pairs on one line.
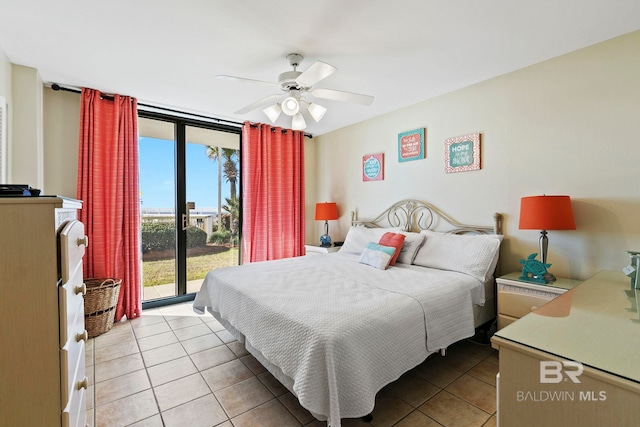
[[400, 51]]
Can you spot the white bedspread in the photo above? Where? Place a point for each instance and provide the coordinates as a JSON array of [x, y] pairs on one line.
[[339, 329]]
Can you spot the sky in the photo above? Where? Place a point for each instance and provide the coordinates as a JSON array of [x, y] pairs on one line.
[[157, 175]]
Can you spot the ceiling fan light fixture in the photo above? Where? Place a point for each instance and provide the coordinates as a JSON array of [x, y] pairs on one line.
[[297, 122], [273, 112], [316, 111], [290, 106]]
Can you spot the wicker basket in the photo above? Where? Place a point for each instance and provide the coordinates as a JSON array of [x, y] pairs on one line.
[[100, 305]]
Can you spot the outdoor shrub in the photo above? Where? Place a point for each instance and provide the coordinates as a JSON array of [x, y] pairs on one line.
[[158, 236], [196, 237], [220, 237], [161, 236]]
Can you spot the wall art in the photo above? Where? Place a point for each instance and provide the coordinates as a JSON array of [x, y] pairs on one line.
[[373, 167], [462, 153], [411, 145]]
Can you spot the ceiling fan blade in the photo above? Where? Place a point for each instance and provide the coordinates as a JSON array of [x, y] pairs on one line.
[[338, 95], [317, 71], [257, 104], [242, 79]]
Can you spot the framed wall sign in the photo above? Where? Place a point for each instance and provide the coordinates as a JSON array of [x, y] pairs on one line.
[[411, 145], [462, 153], [373, 167]]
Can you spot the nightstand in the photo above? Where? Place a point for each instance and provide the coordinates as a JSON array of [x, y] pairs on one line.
[[517, 298], [315, 249]]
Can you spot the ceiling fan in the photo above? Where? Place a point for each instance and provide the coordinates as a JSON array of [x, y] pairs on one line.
[[294, 84]]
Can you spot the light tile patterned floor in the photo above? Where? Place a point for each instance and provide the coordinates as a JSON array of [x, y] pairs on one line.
[[172, 367]]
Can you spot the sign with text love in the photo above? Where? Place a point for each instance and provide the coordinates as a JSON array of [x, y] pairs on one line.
[[411, 145], [462, 153]]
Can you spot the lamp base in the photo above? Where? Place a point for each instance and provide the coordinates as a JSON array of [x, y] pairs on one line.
[[549, 278], [325, 241]]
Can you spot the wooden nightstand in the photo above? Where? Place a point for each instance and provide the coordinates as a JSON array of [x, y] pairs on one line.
[[315, 249], [517, 298]]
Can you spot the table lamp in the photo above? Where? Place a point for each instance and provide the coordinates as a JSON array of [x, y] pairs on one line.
[[326, 211], [546, 213]]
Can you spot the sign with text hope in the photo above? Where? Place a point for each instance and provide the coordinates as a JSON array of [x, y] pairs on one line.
[[462, 153]]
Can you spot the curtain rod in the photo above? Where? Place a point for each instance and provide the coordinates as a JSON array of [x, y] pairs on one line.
[[56, 87]]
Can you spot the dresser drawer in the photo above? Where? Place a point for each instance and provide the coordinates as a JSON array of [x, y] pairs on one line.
[[72, 246], [517, 304], [71, 308], [74, 414], [72, 371], [505, 320]]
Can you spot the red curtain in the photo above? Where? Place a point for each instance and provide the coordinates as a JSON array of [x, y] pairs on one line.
[[108, 186], [273, 225]]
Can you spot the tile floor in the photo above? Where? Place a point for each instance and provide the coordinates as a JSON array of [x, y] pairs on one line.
[[172, 367]]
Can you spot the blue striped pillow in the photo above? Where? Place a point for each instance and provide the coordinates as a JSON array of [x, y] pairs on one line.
[[376, 255]]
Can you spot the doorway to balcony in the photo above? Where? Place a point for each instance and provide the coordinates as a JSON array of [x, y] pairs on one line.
[[190, 204]]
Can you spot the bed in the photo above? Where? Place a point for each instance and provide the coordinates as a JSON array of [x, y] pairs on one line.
[[336, 328]]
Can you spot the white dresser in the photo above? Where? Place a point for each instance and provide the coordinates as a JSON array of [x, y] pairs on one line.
[[574, 361], [42, 362]]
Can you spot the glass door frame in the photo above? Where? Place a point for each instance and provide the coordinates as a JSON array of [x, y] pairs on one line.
[[180, 126]]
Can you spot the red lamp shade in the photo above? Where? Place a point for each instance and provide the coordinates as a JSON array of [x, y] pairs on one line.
[[546, 213], [326, 211]]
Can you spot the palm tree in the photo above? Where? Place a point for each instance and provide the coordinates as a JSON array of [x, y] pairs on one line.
[[230, 173], [233, 207], [230, 169], [213, 153]]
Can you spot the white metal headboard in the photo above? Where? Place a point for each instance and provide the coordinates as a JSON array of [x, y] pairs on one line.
[[415, 215]]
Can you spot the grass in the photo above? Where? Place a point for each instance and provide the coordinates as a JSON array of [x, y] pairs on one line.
[[164, 271]]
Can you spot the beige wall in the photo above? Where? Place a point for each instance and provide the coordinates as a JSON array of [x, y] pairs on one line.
[[61, 130], [5, 76], [26, 143], [564, 126], [5, 91], [569, 125]]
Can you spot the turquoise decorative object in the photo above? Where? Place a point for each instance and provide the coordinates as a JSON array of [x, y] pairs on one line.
[[325, 241], [533, 270]]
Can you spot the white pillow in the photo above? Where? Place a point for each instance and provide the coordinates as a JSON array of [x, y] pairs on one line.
[[358, 236], [475, 255], [412, 243], [377, 255]]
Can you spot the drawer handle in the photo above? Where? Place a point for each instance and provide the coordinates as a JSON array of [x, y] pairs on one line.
[[84, 384], [82, 337], [81, 289], [534, 307], [83, 241]]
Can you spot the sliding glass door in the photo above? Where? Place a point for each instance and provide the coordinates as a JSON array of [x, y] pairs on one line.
[[190, 212]]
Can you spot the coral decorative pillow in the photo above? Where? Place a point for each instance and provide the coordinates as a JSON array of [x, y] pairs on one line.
[[395, 240], [358, 237]]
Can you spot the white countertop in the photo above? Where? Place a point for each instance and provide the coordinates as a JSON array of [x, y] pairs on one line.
[[596, 323]]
